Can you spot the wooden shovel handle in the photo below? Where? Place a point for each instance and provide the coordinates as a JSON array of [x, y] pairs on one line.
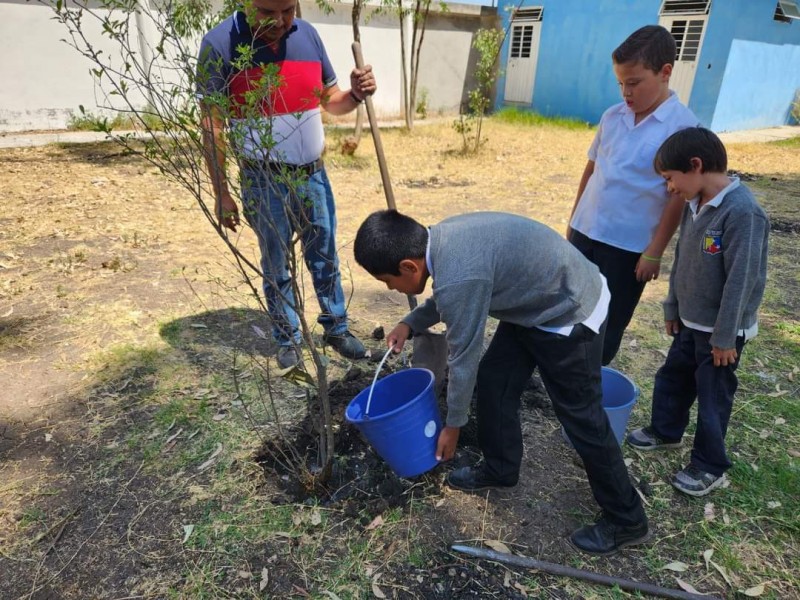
[[376, 135]]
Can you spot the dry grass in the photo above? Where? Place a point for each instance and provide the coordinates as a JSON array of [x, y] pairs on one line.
[[105, 351]]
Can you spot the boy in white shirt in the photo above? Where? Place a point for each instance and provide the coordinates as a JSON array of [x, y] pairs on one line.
[[623, 217]]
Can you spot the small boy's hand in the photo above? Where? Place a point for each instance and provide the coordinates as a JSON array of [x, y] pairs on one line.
[[672, 327], [647, 270], [397, 337], [448, 440], [724, 356]]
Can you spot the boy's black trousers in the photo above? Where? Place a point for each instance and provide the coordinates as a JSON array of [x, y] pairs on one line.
[[618, 266], [570, 369], [689, 374]]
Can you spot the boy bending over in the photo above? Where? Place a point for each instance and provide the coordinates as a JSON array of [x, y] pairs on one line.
[[552, 305]]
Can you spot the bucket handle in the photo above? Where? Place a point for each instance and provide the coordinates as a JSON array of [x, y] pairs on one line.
[[374, 379]]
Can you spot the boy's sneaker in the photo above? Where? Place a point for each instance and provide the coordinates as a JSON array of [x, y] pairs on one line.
[[696, 482], [345, 344], [645, 439]]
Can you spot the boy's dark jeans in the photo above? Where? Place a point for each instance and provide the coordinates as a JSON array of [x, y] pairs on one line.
[[570, 370], [688, 374], [619, 268]]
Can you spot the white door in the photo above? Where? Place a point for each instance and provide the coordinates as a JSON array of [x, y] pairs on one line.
[[688, 31], [523, 50]]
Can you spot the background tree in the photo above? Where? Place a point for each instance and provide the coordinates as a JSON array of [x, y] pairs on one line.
[[470, 123]]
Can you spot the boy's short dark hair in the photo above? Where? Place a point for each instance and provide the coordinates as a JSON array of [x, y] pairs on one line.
[[387, 237], [652, 45], [678, 150]]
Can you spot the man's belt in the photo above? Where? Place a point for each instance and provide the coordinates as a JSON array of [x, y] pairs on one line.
[[279, 168]]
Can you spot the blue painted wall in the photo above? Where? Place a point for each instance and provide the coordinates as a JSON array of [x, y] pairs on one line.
[[748, 69], [574, 76], [747, 74]]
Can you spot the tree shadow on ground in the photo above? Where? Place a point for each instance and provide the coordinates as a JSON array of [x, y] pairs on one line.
[[200, 336]]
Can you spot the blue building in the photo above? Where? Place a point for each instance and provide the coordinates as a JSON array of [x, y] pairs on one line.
[[738, 61]]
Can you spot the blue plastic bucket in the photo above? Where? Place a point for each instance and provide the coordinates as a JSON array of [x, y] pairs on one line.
[[619, 396], [403, 423]]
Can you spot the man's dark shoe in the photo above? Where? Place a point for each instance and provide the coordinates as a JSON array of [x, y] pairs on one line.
[[603, 537], [287, 357], [345, 344], [475, 479]]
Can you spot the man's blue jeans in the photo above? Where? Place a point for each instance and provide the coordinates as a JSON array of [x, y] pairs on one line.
[[276, 211], [687, 375]]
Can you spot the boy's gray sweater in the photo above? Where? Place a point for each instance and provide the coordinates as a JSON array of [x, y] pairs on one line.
[[720, 267], [505, 266]]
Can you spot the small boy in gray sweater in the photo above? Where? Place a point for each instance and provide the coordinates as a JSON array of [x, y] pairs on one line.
[[552, 305], [715, 288]]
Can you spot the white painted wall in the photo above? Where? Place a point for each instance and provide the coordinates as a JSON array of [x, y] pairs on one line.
[[43, 81]]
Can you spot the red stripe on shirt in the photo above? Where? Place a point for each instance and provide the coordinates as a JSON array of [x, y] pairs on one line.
[[297, 87]]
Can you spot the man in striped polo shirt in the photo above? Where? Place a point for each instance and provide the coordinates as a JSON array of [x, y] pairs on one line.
[[262, 78]]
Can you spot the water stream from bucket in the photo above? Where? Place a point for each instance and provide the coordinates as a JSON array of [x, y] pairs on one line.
[[374, 379]]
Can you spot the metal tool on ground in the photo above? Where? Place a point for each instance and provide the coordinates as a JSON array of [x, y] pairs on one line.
[[565, 571], [430, 349]]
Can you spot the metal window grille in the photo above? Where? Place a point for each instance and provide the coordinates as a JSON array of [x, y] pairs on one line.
[[685, 7], [687, 34], [521, 41], [528, 14]]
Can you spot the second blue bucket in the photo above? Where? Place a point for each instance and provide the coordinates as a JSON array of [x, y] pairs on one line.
[[403, 423], [619, 396]]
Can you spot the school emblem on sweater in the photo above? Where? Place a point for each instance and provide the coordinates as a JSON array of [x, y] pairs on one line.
[[712, 242]]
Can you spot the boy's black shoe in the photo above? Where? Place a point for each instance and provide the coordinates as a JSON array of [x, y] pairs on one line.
[[345, 344], [603, 537], [475, 479]]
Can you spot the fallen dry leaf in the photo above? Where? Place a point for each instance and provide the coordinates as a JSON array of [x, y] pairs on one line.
[[780, 421], [497, 546], [707, 554], [376, 591], [211, 458], [376, 522], [754, 591], [708, 511], [264, 579], [688, 587], [677, 566], [187, 532], [722, 571], [773, 504]]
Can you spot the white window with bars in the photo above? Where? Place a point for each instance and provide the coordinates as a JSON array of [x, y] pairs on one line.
[[685, 7], [521, 41], [687, 34], [533, 13], [786, 11]]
